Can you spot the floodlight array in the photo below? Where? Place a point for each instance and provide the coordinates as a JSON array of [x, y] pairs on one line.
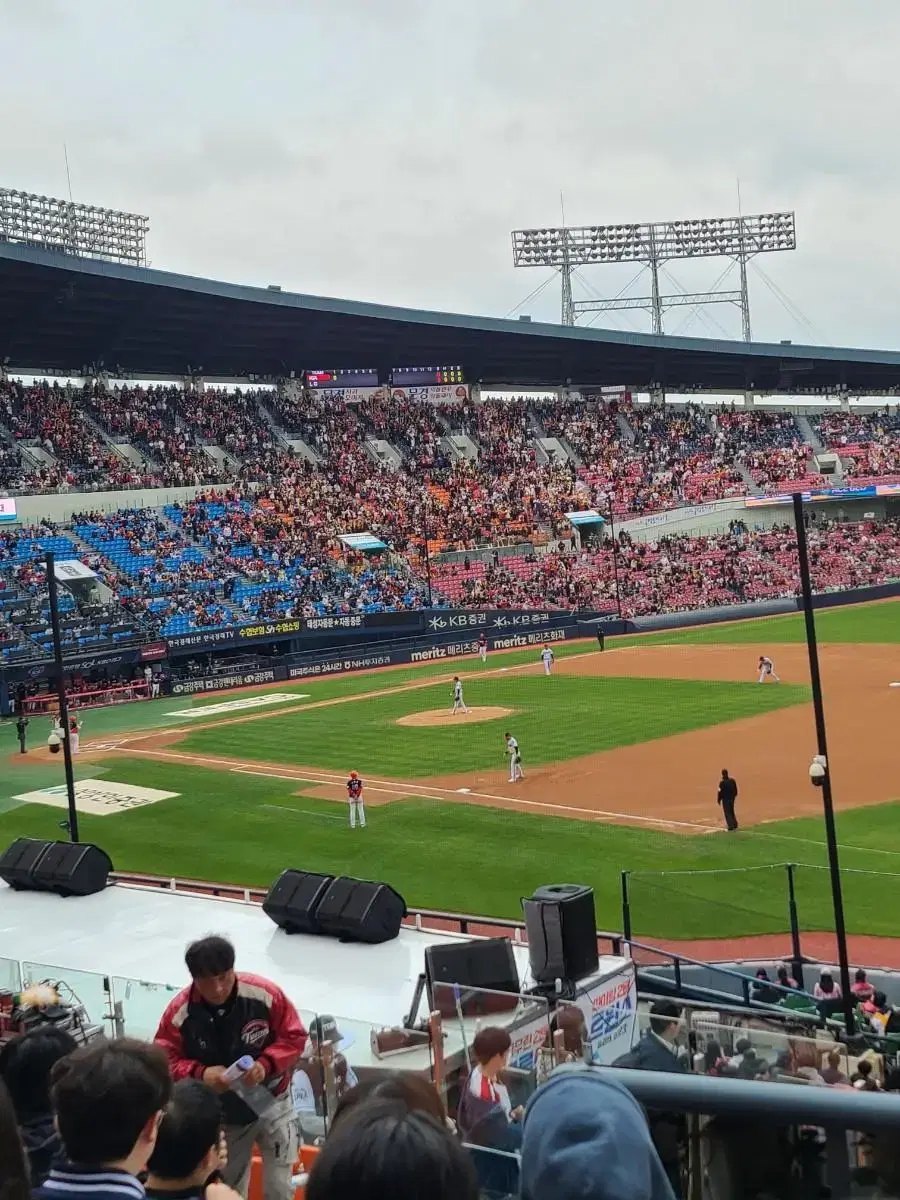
[[707, 237], [79, 229]]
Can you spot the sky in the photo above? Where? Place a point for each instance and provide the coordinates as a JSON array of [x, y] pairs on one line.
[[383, 150]]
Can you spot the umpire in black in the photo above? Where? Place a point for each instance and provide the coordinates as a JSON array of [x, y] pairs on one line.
[[21, 726], [601, 639], [728, 790]]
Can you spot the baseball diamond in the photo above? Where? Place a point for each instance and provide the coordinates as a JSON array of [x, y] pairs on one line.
[[622, 750]]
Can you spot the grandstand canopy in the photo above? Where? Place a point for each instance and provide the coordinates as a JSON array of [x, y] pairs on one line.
[[67, 314]]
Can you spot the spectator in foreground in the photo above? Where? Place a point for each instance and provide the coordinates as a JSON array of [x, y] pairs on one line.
[[826, 988], [187, 1159], [14, 1180], [832, 1074], [414, 1092], [658, 1051], [26, 1063], [861, 988], [225, 1015], [382, 1151], [863, 1078], [109, 1099], [585, 1137]]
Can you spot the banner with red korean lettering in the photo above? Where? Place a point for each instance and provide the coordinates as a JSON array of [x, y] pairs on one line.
[[610, 1012], [452, 393]]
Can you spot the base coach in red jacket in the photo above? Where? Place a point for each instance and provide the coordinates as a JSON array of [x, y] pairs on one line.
[[221, 1017]]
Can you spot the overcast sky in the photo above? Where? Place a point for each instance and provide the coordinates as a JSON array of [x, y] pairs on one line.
[[384, 149]]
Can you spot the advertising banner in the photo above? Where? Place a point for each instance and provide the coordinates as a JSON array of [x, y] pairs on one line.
[[819, 495], [7, 509], [454, 393], [221, 683], [609, 1008]]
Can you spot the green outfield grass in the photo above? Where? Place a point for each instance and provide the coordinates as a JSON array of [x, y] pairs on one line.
[[554, 719], [877, 623], [447, 854], [452, 855]]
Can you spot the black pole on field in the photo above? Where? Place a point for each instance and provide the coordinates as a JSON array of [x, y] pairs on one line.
[[626, 908], [837, 897], [72, 823], [615, 554], [796, 952]]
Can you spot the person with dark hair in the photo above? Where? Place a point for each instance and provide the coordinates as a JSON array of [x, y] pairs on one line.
[[15, 1183], [585, 1137], [728, 791], [862, 990], [108, 1098], [786, 980], [658, 1051], [25, 1066], [417, 1093], [382, 1150], [187, 1157], [224, 1016], [485, 1116], [763, 992], [714, 1061]]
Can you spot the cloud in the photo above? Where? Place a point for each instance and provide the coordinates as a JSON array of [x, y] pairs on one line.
[[386, 150]]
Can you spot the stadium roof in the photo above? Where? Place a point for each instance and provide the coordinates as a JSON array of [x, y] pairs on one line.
[[63, 313]]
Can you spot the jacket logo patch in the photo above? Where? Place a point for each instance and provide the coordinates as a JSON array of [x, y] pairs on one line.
[[255, 1033]]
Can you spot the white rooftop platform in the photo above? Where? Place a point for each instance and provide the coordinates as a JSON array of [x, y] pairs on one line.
[[127, 944]]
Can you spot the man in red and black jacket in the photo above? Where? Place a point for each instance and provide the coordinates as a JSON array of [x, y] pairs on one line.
[[223, 1016]]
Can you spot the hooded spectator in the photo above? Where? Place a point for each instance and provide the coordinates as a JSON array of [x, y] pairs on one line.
[[585, 1137]]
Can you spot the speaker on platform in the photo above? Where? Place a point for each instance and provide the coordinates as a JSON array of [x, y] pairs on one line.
[[562, 932], [294, 898], [474, 978], [64, 868], [360, 910]]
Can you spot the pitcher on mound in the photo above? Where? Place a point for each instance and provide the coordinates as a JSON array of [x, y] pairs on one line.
[[515, 759]]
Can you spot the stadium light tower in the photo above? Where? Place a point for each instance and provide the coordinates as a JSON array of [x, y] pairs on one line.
[[79, 229], [739, 238]]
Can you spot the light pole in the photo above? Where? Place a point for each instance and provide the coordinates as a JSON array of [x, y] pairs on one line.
[[615, 554], [72, 823], [820, 772]]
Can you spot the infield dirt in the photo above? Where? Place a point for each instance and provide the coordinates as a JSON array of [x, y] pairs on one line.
[[670, 782]]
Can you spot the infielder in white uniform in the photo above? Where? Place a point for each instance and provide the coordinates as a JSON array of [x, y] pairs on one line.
[[459, 705], [482, 647], [515, 758], [767, 670], [547, 659]]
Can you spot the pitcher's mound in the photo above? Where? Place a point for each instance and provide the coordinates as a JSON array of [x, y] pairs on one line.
[[443, 716]]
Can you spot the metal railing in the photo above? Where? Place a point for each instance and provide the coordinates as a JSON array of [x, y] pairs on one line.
[[784, 1104]]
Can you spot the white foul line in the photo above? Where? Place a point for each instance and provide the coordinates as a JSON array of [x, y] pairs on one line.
[[322, 778]]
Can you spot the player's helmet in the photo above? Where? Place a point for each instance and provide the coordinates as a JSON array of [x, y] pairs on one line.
[[353, 775]]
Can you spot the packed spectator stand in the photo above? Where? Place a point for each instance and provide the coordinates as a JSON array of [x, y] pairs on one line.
[[265, 539]]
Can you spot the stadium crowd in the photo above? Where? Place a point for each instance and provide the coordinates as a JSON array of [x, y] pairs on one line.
[[178, 1118], [629, 457]]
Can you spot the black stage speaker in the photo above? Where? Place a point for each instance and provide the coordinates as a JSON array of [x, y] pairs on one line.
[[562, 932], [64, 868], [358, 910], [454, 969], [293, 899], [18, 862]]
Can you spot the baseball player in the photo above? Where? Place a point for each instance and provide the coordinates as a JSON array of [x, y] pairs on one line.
[[482, 647], [74, 732], [459, 705], [767, 670], [547, 659], [515, 758], [355, 800]]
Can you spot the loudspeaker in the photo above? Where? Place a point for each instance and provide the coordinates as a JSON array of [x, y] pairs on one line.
[[453, 970], [294, 898], [64, 868], [562, 933], [358, 910], [18, 862]]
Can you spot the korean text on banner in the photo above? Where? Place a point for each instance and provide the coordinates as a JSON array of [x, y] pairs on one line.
[[610, 1010]]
